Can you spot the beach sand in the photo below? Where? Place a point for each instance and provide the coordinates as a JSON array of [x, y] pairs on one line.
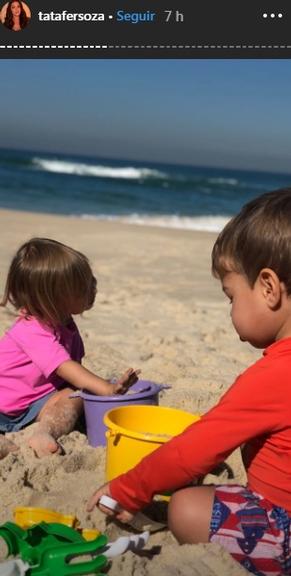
[[158, 309]]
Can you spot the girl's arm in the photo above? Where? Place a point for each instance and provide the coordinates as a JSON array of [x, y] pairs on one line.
[[81, 378]]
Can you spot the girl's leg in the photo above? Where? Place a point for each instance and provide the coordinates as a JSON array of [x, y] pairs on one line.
[[189, 514], [6, 446], [57, 417]]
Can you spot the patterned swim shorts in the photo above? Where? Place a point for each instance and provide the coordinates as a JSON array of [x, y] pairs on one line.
[[254, 531]]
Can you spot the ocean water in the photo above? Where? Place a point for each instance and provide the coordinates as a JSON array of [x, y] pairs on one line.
[[146, 193]]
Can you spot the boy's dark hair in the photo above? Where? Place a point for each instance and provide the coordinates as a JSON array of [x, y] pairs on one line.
[[46, 278], [258, 237]]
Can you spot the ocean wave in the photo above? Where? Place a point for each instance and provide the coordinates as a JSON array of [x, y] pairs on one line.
[[199, 223], [133, 173], [223, 181], [97, 171]]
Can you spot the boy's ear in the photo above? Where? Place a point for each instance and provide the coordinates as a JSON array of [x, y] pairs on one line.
[[272, 288]]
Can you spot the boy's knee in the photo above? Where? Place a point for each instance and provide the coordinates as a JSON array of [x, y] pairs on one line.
[[180, 514], [189, 514]]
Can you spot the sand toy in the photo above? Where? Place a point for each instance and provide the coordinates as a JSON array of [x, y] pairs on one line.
[[133, 432], [95, 406], [27, 516], [139, 522], [48, 549]]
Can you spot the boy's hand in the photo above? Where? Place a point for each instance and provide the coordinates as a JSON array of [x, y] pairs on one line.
[[126, 381], [120, 514]]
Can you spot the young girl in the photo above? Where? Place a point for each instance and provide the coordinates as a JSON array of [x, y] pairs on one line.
[[41, 353]]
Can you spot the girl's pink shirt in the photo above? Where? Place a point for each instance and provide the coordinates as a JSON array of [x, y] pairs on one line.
[[30, 354]]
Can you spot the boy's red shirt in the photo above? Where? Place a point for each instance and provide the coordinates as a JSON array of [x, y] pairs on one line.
[[255, 411]]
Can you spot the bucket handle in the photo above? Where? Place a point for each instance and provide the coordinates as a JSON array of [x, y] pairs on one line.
[[164, 387], [113, 434], [110, 433]]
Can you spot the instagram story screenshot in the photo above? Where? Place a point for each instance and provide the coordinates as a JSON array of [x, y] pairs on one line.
[[145, 296]]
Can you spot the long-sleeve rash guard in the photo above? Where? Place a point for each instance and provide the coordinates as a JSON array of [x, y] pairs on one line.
[[255, 411]]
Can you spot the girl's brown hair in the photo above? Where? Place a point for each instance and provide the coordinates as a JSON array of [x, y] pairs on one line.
[[47, 278], [258, 237]]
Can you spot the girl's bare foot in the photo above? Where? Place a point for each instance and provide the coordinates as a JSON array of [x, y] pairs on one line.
[[6, 446], [43, 444]]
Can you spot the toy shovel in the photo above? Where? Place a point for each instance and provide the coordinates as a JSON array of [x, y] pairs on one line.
[[139, 522]]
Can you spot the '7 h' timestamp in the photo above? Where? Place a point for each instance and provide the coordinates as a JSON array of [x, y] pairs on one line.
[[173, 16]]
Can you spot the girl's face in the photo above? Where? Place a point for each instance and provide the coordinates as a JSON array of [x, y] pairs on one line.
[[15, 9], [78, 307], [92, 293]]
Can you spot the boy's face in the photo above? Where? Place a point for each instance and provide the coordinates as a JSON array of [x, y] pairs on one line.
[[251, 316]]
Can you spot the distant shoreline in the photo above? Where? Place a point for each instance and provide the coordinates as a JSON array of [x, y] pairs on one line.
[[195, 224]]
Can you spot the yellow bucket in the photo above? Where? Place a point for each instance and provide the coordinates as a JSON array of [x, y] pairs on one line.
[[135, 431]]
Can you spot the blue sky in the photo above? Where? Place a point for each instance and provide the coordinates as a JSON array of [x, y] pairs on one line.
[[231, 113]]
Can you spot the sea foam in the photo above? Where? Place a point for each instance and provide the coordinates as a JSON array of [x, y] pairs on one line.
[[199, 223], [97, 171]]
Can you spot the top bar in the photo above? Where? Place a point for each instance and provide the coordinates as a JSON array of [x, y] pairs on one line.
[[138, 29]]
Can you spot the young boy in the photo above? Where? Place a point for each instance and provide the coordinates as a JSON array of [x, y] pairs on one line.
[[252, 258]]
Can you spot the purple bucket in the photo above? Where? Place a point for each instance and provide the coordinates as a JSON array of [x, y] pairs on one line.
[[143, 392]]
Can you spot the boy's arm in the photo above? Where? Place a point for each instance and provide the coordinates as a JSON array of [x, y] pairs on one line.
[[242, 414], [80, 377]]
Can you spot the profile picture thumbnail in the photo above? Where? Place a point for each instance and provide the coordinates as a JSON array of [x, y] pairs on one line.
[[15, 15]]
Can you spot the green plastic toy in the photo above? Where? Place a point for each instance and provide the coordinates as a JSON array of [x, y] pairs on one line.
[[50, 548]]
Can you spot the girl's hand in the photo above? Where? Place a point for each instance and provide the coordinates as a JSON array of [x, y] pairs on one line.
[[119, 513], [126, 381], [81, 378]]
